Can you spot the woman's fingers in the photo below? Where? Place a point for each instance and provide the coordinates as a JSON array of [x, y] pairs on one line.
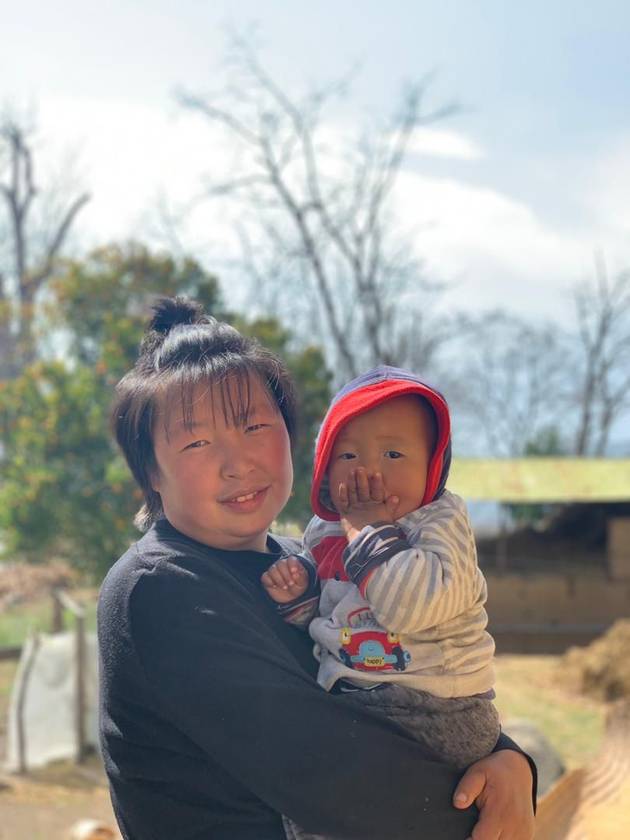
[[501, 787]]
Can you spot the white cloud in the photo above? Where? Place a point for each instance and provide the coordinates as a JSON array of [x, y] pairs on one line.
[[493, 248], [608, 192], [448, 144], [128, 154]]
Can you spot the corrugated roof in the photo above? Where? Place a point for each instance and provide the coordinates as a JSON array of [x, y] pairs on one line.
[[542, 479]]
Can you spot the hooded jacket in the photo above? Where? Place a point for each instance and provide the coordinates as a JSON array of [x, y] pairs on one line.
[[402, 602], [363, 393]]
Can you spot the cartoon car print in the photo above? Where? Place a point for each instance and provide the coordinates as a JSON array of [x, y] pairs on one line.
[[372, 650]]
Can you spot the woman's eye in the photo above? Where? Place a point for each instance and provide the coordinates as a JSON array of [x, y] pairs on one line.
[[197, 444], [392, 453], [256, 427]]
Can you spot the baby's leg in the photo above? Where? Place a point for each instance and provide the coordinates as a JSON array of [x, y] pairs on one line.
[[456, 730]]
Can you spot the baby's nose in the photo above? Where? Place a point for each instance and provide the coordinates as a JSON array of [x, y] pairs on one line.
[[370, 464]]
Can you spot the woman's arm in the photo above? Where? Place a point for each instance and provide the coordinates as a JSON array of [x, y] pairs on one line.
[[225, 678]]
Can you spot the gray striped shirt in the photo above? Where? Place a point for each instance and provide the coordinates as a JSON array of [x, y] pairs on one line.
[[412, 610]]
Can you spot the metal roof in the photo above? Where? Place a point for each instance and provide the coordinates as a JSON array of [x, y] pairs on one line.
[[542, 479]]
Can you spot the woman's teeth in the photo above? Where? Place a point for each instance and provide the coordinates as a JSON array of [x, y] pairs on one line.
[[246, 498]]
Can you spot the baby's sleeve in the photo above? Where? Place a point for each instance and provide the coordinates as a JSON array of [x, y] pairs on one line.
[[303, 609]]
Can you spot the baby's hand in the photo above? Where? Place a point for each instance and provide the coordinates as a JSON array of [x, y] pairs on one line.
[[285, 580], [363, 501]]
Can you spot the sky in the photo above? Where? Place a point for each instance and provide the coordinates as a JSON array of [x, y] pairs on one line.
[[506, 201]]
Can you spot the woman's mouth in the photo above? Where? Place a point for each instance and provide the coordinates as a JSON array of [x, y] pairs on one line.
[[245, 498], [247, 502]]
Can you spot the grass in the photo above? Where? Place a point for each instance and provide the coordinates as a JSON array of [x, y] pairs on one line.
[[7, 674], [19, 621], [529, 687]]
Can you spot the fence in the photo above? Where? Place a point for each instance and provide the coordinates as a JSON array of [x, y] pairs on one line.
[[61, 602]]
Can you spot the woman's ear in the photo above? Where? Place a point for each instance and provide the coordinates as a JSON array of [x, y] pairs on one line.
[[154, 480]]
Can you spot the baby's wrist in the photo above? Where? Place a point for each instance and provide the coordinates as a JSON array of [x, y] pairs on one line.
[[352, 533]]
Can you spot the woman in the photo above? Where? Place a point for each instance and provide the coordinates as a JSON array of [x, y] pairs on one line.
[[204, 689]]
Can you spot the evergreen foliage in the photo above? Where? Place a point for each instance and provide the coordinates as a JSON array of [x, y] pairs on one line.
[[65, 491]]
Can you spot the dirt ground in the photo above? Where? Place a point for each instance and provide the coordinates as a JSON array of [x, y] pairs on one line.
[[46, 804]]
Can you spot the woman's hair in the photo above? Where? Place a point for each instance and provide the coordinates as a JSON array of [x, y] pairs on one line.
[[182, 349]]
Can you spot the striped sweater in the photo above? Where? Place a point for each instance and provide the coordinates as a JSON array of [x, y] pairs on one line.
[[403, 603]]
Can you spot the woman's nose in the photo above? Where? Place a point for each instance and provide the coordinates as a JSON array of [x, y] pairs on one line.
[[236, 462]]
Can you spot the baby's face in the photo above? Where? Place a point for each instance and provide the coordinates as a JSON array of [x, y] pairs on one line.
[[396, 438]]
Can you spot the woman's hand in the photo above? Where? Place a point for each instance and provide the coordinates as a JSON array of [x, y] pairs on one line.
[[500, 785]]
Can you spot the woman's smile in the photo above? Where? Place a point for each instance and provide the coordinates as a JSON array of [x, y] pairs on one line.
[[246, 502]]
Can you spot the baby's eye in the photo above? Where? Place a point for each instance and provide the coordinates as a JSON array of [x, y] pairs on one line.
[[347, 456], [197, 444], [393, 453]]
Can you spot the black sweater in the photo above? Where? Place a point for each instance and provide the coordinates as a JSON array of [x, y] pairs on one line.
[[212, 723]]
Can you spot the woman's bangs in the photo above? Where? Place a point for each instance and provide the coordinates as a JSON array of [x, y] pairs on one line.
[[225, 387]]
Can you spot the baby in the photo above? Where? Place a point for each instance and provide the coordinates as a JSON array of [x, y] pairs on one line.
[[396, 607]]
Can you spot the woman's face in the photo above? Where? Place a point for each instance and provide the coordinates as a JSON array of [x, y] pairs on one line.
[[223, 482]]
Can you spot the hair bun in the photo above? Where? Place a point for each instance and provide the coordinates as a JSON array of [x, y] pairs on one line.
[[171, 311]]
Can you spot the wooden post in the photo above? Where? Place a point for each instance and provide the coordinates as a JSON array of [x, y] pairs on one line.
[[80, 687], [80, 703], [618, 548], [502, 541], [57, 613], [21, 700]]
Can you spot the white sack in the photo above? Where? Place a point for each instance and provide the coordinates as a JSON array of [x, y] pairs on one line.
[[49, 703]]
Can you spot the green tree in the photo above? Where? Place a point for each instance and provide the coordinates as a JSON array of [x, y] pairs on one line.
[[102, 302], [65, 490]]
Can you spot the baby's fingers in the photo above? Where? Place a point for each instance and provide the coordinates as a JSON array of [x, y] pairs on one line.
[[344, 498], [377, 487], [351, 486], [267, 581], [279, 575], [362, 484], [296, 570], [391, 505]]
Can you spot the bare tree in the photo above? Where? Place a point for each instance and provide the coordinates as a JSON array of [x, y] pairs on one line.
[[316, 222], [603, 392], [510, 384], [33, 245], [517, 385]]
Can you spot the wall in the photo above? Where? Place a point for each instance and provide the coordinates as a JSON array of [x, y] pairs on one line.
[[547, 613]]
